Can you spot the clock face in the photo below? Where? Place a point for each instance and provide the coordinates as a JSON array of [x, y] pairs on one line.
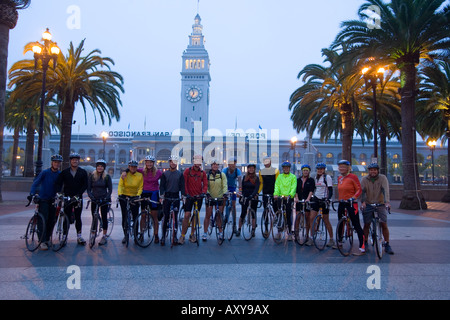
[[194, 94]]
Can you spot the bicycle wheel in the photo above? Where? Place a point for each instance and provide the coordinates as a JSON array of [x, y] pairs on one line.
[[180, 218], [219, 223], [300, 234], [144, 229], [266, 222], [35, 232], [344, 236], [228, 226], [247, 224], [173, 229], [320, 234], [378, 238], [110, 222], [195, 223], [60, 232], [93, 233], [128, 230], [278, 227]]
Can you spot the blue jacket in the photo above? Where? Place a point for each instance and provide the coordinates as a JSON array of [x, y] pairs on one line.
[[46, 179]]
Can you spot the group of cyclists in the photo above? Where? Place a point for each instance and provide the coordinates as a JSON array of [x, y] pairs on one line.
[[167, 189]]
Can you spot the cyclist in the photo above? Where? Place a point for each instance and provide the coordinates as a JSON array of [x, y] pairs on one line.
[[217, 188], [196, 184], [321, 198], [267, 177], [375, 189], [151, 177], [286, 185], [73, 183], [349, 188], [47, 192], [250, 188], [99, 189], [172, 184], [234, 179], [129, 186], [305, 190]]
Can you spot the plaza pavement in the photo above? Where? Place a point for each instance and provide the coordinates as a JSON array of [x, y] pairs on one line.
[[238, 270]]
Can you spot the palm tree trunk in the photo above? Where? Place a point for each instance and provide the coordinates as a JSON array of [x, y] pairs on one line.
[[412, 196], [29, 149], [446, 197], [4, 40], [383, 150], [347, 131], [14, 151], [66, 134]]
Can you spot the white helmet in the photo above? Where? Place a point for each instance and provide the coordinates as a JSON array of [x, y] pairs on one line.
[[150, 158]]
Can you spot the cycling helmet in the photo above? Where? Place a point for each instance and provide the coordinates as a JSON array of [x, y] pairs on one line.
[[198, 159], [286, 164], [57, 157], [346, 162], [101, 162], [306, 166], [74, 155], [173, 158], [214, 161], [373, 166], [251, 165], [321, 165], [133, 163], [150, 158]]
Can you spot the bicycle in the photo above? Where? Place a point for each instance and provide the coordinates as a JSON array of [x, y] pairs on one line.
[[344, 230], [194, 221], [216, 221], [375, 231], [319, 229], [96, 225], [35, 232], [280, 228], [267, 216], [247, 223], [128, 228], [144, 228], [171, 231], [300, 218], [62, 221], [230, 220]]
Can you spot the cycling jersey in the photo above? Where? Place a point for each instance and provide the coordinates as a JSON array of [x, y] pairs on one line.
[[232, 177], [217, 184], [349, 187], [324, 187], [285, 185], [131, 186], [267, 178]]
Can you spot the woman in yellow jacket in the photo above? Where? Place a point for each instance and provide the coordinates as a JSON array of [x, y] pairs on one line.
[[130, 186]]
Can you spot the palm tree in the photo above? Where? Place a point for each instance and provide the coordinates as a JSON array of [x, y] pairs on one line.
[[409, 30], [329, 101], [434, 107], [8, 21], [75, 79]]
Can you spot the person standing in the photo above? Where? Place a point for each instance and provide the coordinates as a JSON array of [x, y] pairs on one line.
[[72, 182], [305, 190], [46, 181]]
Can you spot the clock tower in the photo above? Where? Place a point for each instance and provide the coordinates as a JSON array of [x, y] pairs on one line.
[[195, 80]]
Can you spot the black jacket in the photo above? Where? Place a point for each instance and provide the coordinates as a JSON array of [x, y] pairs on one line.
[[72, 185]]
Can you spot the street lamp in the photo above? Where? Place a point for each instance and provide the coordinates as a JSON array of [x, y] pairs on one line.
[[432, 145], [44, 52], [293, 143], [371, 79], [104, 135]]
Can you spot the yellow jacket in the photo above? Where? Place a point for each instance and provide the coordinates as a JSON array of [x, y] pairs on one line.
[[132, 185]]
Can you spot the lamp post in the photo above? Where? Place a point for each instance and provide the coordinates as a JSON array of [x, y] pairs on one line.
[[293, 143], [432, 145], [371, 79], [104, 135], [44, 52]]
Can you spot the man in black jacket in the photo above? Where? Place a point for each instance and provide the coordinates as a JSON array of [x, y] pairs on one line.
[[72, 182]]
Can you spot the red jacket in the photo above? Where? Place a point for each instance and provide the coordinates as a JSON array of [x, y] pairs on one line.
[[195, 182], [349, 187]]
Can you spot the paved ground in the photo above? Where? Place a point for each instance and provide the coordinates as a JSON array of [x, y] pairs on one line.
[[238, 270]]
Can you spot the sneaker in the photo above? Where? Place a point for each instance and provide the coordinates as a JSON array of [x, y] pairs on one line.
[[181, 240], [360, 252], [81, 241], [330, 243], [192, 238], [387, 248], [253, 233], [310, 242], [162, 242], [290, 237], [102, 241], [205, 236], [124, 240], [156, 239], [220, 235], [43, 246], [238, 232]]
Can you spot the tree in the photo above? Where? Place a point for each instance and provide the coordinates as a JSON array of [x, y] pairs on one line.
[[408, 32], [75, 79], [8, 21], [433, 113]]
